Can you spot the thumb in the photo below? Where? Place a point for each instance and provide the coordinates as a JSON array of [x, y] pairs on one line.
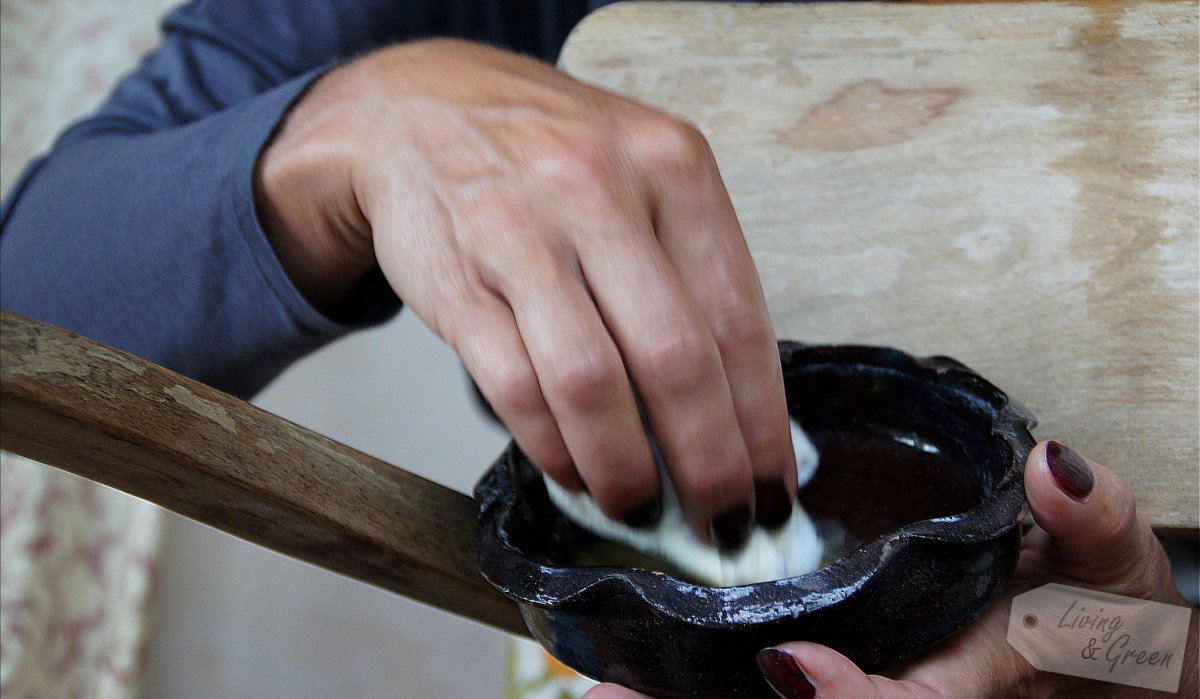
[[611, 691], [1089, 517], [803, 670]]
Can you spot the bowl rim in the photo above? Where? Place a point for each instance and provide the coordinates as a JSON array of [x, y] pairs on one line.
[[531, 582]]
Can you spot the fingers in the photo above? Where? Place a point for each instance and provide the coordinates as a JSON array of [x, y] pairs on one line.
[[612, 691], [684, 304], [676, 366], [805, 670], [663, 336], [1088, 513], [496, 358], [698, 229], [584, 383]]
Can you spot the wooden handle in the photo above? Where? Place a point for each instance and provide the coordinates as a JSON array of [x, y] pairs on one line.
[[86, 408]]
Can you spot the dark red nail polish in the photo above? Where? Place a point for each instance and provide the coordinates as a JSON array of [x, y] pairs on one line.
[[784, 675], [772, 503], [731, 529], [1072, 474], [647, 514]]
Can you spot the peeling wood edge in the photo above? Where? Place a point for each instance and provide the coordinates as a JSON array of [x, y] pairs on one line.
[[78, 423]]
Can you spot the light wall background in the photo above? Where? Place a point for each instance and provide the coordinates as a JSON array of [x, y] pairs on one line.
[[233, 620]]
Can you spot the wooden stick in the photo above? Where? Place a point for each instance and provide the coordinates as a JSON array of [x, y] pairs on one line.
[[86, 408]]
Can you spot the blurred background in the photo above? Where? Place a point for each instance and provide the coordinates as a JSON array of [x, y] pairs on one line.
[[221, 617]]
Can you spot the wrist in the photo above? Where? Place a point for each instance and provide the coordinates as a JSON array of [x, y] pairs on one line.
[[305, 199]]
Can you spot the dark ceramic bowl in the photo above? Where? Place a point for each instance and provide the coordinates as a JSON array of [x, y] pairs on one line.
[[921, 472]]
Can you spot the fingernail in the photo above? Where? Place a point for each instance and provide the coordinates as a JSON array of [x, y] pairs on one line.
[[731, 529], [1072, 474], [784, 675], [647, 514], [772, 503]]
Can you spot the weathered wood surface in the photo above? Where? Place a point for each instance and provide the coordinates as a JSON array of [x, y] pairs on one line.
[[85, 408], [1012, 184]]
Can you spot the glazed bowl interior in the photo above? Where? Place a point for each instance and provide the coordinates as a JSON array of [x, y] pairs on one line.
[[895, 449]]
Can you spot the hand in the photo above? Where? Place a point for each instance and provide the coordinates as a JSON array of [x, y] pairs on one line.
[[579, 252], [1088, 534]]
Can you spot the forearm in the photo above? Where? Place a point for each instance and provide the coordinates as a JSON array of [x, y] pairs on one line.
[[140, 228], [151, 243]]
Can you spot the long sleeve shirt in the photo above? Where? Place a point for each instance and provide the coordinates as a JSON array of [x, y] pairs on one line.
[[139, 227]]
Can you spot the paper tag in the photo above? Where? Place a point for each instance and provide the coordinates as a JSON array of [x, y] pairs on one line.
[[1100, 636]]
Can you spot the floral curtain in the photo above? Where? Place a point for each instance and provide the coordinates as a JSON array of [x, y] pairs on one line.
[[76, 584], [77, 560]]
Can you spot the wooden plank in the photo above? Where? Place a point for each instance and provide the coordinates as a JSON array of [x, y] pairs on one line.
[[105, 415], [1014, 185]]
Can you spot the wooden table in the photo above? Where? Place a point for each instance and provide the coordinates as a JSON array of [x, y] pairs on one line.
[[1011, 184]]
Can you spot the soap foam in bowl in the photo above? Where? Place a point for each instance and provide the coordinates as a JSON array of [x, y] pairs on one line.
[[920, 483]]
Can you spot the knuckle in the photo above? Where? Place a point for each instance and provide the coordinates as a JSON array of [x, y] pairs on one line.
[[768, 437], [576, 168], [586, 381], [676, 362], [515, 387], [740, 328], [671, 146], [497, 223], [494, 204]]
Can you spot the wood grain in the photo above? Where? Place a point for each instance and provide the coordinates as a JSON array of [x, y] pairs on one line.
[[85, 408], [1012, 184]]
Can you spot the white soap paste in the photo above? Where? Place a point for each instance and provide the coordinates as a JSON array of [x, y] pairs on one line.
[[789, 550]]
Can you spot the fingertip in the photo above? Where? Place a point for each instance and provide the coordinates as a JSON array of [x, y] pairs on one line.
[[773, 463], [731, 528], [1061, 484], [626, 489], [612, 691], [1088, 510], [1051, 507], [817, 661], [1070, 470], [783, 672], [645, 515], [772, 503], [791, 667], [769, 436], [716, 492]]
